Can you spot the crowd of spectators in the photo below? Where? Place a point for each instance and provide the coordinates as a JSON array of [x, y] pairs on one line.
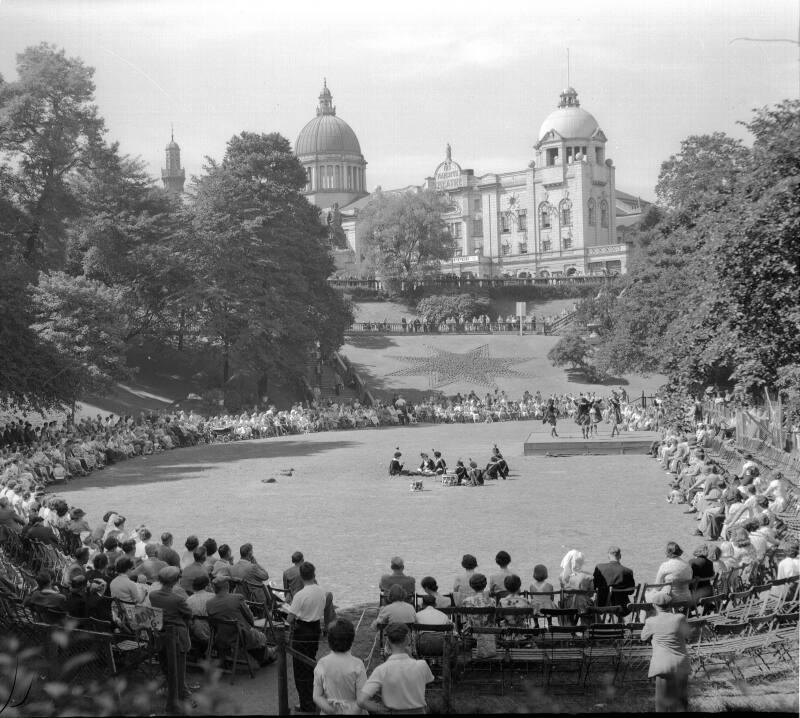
[[33, 457]]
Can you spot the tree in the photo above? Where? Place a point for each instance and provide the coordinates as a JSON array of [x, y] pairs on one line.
[[441, 307], [33, 374], [48, 127], [258, 255], [403, 234], [80, 319], [570, 349]]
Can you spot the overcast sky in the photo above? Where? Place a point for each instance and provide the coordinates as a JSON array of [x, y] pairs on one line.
[[410, 77]]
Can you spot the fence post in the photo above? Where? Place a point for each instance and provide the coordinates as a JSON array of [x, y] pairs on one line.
[[447, 681], [171, 649], [283, 678]]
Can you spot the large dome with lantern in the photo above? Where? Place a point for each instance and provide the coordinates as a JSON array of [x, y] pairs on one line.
[[570, 120]]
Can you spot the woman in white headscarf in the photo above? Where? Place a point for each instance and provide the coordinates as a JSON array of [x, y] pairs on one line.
[[574, 578]]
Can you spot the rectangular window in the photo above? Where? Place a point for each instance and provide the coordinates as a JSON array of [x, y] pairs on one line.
[[506, 250], [591, 215], [544, 221], [457, 252], [567, 241], [566, 217], [476, 205], [546, 245], [477, 228], [604, 217], [523, 248], [522, 216], [455, 229], [552, 157], [599, 155], [505, 224]]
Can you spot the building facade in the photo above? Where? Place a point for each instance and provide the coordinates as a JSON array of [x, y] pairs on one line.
[[556, 217]]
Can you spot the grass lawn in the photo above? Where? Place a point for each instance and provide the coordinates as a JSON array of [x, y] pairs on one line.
[[376, 357]]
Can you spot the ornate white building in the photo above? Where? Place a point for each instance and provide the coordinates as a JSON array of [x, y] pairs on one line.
[[556, 217]]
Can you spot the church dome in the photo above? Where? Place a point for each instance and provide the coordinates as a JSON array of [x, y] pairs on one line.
[[326, 133], [570, 120]]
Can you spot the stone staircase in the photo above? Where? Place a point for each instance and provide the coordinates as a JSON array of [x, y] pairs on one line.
[[327, 382]]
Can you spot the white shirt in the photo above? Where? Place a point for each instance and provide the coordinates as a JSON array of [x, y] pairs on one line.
[[308, 604], [431, 616], [340, 677], [401, 681]]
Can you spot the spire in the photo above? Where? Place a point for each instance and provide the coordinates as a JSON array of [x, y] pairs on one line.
[[325, 106], [172, 131], [449, 152]]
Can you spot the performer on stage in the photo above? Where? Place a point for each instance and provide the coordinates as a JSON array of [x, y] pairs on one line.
[[550, 417], [440, 465], [395, 467], [582, 417], [595, 415], [615, 414]]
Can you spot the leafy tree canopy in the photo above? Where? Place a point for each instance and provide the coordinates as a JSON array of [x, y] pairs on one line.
[[403, 234]]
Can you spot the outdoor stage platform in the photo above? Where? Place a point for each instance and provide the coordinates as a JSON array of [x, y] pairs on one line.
[[571, 443]]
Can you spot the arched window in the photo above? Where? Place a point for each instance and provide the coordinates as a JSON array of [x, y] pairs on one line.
[[592, 218], [604, 214], [544, 216]]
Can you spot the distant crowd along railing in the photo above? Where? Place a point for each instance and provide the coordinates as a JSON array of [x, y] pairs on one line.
[[411, 327], [377, 285], [767, 424]]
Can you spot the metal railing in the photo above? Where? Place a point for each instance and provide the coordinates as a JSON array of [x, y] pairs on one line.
[[412, 327]]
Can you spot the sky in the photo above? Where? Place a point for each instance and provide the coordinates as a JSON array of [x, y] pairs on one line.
[[411, 77]]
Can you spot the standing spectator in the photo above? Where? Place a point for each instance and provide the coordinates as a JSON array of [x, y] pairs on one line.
[[292, 583], [305, 613], [669, 664], [177, 615], [339, 677], [401, 679]]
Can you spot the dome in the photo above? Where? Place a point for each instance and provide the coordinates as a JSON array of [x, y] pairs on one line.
[[173, 146], [570, 120], [326, 133]]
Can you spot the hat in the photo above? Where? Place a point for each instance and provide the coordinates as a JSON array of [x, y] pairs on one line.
[[169, 574], [661, 599], [77, 513], [473, 464], [397, 454]]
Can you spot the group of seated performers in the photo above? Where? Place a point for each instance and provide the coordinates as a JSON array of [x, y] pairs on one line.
[[472, 475]]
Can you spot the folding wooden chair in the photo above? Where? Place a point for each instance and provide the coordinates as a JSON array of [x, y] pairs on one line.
[[603, 648], [564, 649], [227, 637], [564, 616]]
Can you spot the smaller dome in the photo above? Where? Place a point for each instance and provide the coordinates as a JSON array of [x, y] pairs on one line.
[[173, 145]]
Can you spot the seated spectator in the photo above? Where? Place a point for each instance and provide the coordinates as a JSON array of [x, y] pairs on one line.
[[165, 551], [191, 543], [232, 607], [142, 538], [397, 577], [151, 565], [497, 580], [429, 615], [247, 568], [45, 596], [210, 545], [9, 520], [677, 572], [461, 586], [197, 568], [98, 604], [480, 598], [339, 677], [396, 609], [123, 587], [76, 604], [574, 578], [112, 549], [541, 585], [223, 563], [612, 574], [431, 588], [702, 574], [77, 567], [401, 679], [37, 531], [513, 599]]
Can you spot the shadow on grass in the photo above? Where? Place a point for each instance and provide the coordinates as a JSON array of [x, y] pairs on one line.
[[370, 341], [178, 463]]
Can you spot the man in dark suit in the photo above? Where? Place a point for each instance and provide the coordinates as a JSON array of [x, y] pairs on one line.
[[232, 607], [177, 615], [613, 575]]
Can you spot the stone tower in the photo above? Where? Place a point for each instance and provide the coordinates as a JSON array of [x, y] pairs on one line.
[[174, 175]]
